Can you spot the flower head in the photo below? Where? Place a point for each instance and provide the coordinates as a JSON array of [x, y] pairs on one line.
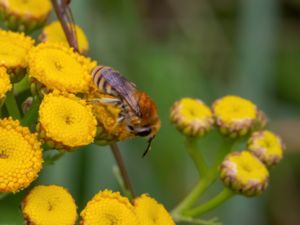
[[59, 68], [14, 48], [244, 173], [267, 146], [20, 156], [109, 128], [5, 84], [49, 205], [54, 33], [150, 212], [191, 116], [66, 121], [108, 207], [234, 115], [25, 15]]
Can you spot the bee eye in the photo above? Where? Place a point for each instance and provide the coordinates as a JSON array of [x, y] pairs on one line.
[[144, 132], [130, 128]]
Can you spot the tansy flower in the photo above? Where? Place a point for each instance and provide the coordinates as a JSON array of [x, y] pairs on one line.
[[267, 146], [65, 121], [244, 173], [108, 207], [5, 84], [192, 117], [14, 48], [109, 128], [59, 67], [150, 212], [25, 15], [234, 115], [20, 156], [54, 33], [49, 205]]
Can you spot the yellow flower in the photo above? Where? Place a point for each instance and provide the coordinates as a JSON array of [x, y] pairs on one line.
[[192, 117], [59, 68], [54, 33], [109, 129], [49, 205], [267, 146], [20, 156], [5, 84], [25, 15], [150, 212], [244, 173], [234, 115], [65, 121], [108, 207], [14, 48]]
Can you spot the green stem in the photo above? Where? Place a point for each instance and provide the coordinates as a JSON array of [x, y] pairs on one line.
[[191, 220], [193, 196], [121, 183], [11, 105], [191, 146], [3, 195], [224, 195], [30, 118]]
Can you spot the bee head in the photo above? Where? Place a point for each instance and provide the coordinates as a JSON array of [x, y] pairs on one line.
[[140, 131]]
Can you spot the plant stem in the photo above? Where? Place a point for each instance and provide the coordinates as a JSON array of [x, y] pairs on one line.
[[191, 146], [118, 157], [11, 105], [3, 195], [224, 195], [61, 11], [194, 195], [196, 221]]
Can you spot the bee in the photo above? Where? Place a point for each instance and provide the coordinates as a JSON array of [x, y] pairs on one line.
[[138, 110]]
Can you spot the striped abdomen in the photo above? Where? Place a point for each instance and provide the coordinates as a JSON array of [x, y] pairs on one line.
[[98, 76]]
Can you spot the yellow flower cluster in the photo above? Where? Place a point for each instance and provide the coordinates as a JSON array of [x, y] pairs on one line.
[[109, 207], [5, 84], [14, 49], [244, 172], [20, 156], [66, 121], [24, 15], [49, 205], [58, 67], [54, 33]]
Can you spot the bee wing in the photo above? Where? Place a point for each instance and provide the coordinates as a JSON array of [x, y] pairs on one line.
[[124, 88]]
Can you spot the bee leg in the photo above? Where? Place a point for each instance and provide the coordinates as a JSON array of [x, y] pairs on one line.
[[120, 119], [113, 101]]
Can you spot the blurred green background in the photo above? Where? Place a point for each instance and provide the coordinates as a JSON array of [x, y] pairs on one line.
[[197, 48]]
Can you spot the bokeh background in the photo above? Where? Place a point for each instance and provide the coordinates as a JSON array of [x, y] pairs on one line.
[[197, 48]]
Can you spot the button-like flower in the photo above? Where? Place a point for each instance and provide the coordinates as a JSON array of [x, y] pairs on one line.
[[14, 48], [267, 146], [5, 84], [49, 205], [108, 207], [192, 117], [150, 212], [59, 68], [54, 33], [20, 156], [234, 115], [24, 15], [244, 173], [66, 121]]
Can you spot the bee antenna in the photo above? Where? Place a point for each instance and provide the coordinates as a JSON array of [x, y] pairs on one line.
[[148, 146]]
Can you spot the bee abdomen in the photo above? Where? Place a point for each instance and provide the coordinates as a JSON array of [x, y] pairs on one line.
[[101, 83]]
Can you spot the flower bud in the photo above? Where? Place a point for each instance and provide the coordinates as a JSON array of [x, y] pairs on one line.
[[191, 117], [267, 146], [244, 173], [234, 115]]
